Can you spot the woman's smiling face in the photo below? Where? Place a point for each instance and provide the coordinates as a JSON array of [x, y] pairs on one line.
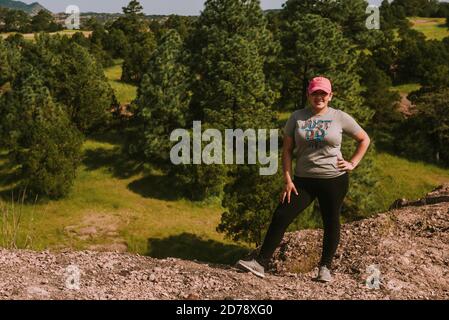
[[319, 99]]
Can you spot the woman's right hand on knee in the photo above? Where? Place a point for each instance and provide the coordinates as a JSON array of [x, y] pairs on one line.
[[289, 187]]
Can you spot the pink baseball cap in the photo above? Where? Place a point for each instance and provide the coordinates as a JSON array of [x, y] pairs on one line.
[[320, 83]]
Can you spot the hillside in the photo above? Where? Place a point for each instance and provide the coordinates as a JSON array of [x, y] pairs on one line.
[[409, 245], [31, 9]]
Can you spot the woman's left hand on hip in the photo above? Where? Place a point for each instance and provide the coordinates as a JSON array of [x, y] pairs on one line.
[[344, 165]]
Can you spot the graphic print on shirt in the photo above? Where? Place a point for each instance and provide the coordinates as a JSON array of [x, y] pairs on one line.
[[315, 132]]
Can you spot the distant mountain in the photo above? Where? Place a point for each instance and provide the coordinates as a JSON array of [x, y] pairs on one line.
[[31, 9]]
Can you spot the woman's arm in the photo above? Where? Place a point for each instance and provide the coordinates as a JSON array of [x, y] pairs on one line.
[[363, 143], [287, 152]]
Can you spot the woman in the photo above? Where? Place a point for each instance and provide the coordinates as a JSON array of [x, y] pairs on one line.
[[321, 172]]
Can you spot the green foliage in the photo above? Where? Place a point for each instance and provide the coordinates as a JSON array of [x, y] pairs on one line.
[[9, 62], [182, 24], [134, 8], [348, 14], [40, 137], [379, 98], [360, 202], [314, 46], [430, 59], [115, 42], [19, 21], [14, 21], [432, 114], [163, 98], [132, 22], [44, 21], [129, 38], [75, 79], [229, 49], [422, 8], [250, 200], [137, 57], [84, 89]]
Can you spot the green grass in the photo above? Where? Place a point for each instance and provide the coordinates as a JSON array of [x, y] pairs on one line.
[[406, 88], [124, 92], [401, 178], [433, 28]]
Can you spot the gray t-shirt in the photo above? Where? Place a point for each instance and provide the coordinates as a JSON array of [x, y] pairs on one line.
[[318, 140]]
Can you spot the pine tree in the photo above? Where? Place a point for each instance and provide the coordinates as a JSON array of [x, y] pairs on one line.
[[432, 114], [40, 137], [132, 23], [4, 63], [250, 200], [230, 49], [379, 98], [116, 43], [75, 79], [312, 46], [134, 8], [163, 98], [43, 21], [83, 89], [182, 24], [16, 21], [349, 14], [229, 57], [136, 46], [9, 62], [138, 55]]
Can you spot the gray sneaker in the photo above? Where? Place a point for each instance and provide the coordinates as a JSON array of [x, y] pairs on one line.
[[324, 275], [252, 266]]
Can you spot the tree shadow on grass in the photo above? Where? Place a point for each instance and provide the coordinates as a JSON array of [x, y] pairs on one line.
[[118, 163], [156, 186], [189, 246], [113, 137]]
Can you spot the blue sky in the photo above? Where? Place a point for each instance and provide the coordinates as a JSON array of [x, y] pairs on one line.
[[183, 7]]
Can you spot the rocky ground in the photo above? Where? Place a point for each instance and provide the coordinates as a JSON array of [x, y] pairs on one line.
[[399, 254]]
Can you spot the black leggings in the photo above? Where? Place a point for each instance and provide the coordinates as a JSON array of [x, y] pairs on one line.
[[330, 193]]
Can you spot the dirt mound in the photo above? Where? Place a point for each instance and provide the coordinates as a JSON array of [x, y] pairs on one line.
[[399, 254]]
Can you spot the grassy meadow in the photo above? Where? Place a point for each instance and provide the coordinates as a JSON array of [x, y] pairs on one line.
[[124, 92], [433, 28], [30, 36], [406, 88]]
